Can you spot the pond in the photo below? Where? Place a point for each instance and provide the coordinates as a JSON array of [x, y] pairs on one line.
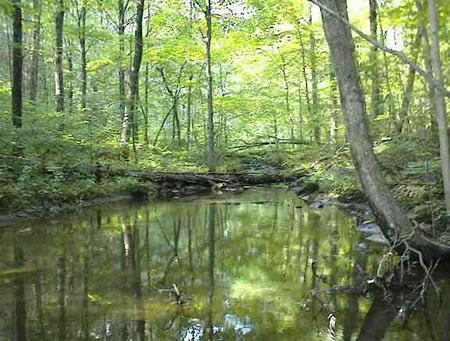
[[260, 265]]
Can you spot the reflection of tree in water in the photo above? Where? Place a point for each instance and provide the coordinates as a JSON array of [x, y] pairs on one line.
[[395, 299], [241, 271]]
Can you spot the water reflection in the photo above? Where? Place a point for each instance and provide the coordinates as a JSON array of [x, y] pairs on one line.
[[255, 266]]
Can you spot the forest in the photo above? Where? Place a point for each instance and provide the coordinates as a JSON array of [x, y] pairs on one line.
[[342, 102]]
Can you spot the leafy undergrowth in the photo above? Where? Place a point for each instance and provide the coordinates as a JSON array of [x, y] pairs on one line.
[[52, 189], [412, 172]]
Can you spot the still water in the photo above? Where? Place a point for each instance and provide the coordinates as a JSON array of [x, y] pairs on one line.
[[259, 265]]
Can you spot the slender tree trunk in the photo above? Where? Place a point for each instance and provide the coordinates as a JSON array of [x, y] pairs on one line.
[[83, 54], [389, 98], [300, 112], [146, 109], [314, 80], [71, 77], [17, 57], [402, 122], [375, 88], [122, 107], [441, 112], [209, 76], [305, 75], [59, 78], [334, 108], [189, 113], [134, 81], [35, 55], [286, 92], [428, 65]]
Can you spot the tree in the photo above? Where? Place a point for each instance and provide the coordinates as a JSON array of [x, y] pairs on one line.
[[134, 83], [209, 76], [59, 72], [441, 112], [122, 107], [34, 72], [314, 80], [375, 91], [391, 217], [17, 65]]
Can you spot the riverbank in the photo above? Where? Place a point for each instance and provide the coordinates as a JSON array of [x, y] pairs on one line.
[[83, 189]]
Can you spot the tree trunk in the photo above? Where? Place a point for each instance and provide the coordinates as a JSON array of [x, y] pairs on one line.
[[305, 75], [300, 112], [71, 77], [375, 88], [17, 57], [83, 53], [441, 113], [390, 216], [211, 158], [334, 109], [59, 80], [146, 111], [428, 65], [189, 113], [129, 114], [34, 72], [387, 211], [284, 74], [122, 108], [402, 122], [314, 80]]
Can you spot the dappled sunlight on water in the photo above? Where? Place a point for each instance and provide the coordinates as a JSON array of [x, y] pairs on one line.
[[260, 265]]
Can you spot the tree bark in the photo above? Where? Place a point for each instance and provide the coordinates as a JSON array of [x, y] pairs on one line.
[[35, 55], [211, 158], [441, 112], [17, 57], [59, 78]]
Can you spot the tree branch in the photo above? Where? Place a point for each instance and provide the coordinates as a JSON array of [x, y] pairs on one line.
[[429, 78]]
